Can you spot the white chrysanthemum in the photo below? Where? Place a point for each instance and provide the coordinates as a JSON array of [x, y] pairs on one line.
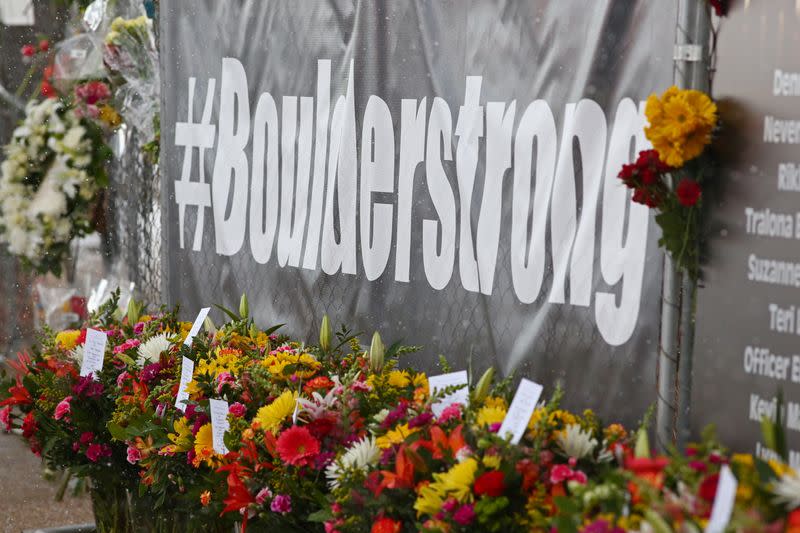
[[150, 350], [49, 200], [358, 456], [787, 490], [77, 354], [576, 442]]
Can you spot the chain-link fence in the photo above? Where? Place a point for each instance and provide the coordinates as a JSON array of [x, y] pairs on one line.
[[135, 216]]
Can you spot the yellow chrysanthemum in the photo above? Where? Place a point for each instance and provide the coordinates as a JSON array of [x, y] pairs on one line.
[[67, 339], [744, 459], [455, 483], [270, 417], [399, 379], [488, 415], [492, 461], [496, 401], [181, 439], [420, 381], [204, 447], [681, 123], [395, 436]]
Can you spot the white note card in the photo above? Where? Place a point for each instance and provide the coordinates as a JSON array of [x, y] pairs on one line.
[[17, 12], [187, 370], [94, 350], [219, 424], [723, 501], [520, 410], [442, 381], [198, 323]]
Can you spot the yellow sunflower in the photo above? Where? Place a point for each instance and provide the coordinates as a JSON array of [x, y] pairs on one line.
[[455, 483], [488, 415], [204, 447]]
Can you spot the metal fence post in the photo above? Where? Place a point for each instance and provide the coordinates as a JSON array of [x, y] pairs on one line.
[[676, 346]]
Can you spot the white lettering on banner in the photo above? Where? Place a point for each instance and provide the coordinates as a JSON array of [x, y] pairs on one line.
[[321, 215]]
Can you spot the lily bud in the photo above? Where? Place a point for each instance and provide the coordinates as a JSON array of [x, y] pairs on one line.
[[325, 334], [642, 450], [482, 388], [244, 307], [209, 325], [133, 312], [376, 353]]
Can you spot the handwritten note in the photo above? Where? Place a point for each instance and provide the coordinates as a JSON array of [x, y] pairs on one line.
[[442, 381], [723, 501], [198, 323], [187, 370], [94, 350], [520, 410], [219, 424]]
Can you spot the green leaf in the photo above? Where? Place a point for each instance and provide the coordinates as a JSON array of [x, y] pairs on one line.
[[323, 515], [117, 431], [273, 329], [228, 312]]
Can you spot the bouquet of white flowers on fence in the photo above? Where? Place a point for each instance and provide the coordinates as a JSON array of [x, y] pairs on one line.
[[50, 184]]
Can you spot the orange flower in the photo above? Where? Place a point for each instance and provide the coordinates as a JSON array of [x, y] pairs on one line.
[[205, 498], [386, 525], [793, 522]]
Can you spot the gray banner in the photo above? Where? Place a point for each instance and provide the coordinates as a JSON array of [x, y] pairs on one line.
[[442, 171]]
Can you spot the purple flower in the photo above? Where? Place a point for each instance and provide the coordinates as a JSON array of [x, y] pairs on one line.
[[395, 414], [150, 372], [138, 328], [494, 428], [88, 387], [465, 515], [420, 420], [282, 503], [601, 526]]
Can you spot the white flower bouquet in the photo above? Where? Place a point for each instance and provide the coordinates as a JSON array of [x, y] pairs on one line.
[[50, 180]]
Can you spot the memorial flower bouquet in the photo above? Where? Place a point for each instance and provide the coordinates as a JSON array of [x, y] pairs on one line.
[[50, 183], [453, 472], [63, 415], [670, 177], [131, 58], [283, 464]]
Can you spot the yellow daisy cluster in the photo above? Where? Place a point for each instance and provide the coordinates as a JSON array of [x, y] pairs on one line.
[[301, 365], [543, 423], [181, 439], [395, 436], [223, 360], [681, 123], [259, 341], [455, 483]]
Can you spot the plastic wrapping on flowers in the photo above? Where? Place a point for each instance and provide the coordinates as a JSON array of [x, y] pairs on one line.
[[341, 438]]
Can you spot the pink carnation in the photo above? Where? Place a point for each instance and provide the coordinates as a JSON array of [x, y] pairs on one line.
[[63, 408], [237, 409], [451, 412], [263, 495], [127, 345]]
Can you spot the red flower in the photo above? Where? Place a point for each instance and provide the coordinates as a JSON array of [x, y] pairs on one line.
[[688, 192], [28, 50], [29, 426], [650, 470], [47, 90], [5, 418], [297, 446], [317, 383], [720, 7], [490, 483], [386, 525], [708, 488], [44, 45], [238, 495], [19, 395]]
